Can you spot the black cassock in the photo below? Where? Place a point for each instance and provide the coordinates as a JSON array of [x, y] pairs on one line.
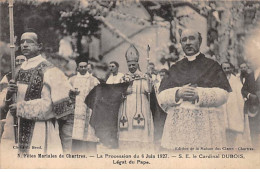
[[183, 127], [201, 72]]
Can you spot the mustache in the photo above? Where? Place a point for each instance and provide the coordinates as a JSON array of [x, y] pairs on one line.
[[188, 47], [228, 72]]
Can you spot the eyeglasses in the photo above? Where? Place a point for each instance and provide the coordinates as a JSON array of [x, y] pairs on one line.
[[19, 60], [28, 41], [226, 67]]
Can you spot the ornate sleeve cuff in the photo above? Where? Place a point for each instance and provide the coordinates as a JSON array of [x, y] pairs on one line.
[[211, 97], [38, 109], [63, 107], [167, 98]]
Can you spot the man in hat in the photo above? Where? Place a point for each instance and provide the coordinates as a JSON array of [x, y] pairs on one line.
[[192, 96], [135, 119]]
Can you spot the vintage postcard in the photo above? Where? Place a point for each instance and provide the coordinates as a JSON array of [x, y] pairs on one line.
[[130, 84]]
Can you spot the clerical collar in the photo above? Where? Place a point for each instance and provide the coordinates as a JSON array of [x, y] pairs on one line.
[[34, 58], [86, 75], [192, 58], [136, 72]]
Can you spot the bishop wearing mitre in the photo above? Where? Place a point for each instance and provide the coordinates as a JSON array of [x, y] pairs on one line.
[[135, 118]]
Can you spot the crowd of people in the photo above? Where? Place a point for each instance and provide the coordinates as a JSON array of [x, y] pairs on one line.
[[196, 103]]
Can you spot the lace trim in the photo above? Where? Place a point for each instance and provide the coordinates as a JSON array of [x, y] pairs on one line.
[[34, 78], [208, 97], [63, 107], [193, 128]]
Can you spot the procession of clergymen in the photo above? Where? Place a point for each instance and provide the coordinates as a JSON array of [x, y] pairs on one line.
[[109, 88]]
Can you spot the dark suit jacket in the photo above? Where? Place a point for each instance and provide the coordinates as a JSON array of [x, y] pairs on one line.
[[243, 78], [251, 86]]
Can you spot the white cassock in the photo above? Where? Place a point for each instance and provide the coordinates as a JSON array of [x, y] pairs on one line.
[[81, 128], [115, 79], [42, 97], [135, 118], [236, 121]]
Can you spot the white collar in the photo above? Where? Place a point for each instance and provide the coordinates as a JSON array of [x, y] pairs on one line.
[[32, 62], [34, 58], [136, 72], [191, 58], [83, 76], [257, 72]]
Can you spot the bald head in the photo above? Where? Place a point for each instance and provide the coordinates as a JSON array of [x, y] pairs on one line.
[[191, 32], [30, 44], [30, 35], [190, 42]]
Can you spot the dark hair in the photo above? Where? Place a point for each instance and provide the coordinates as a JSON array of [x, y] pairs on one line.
[[91, 65], [151, 63], [226, 63], [81, 59], [165, 71], [114, 62]]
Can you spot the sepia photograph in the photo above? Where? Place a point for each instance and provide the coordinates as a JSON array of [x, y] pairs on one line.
[[129, 84]]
